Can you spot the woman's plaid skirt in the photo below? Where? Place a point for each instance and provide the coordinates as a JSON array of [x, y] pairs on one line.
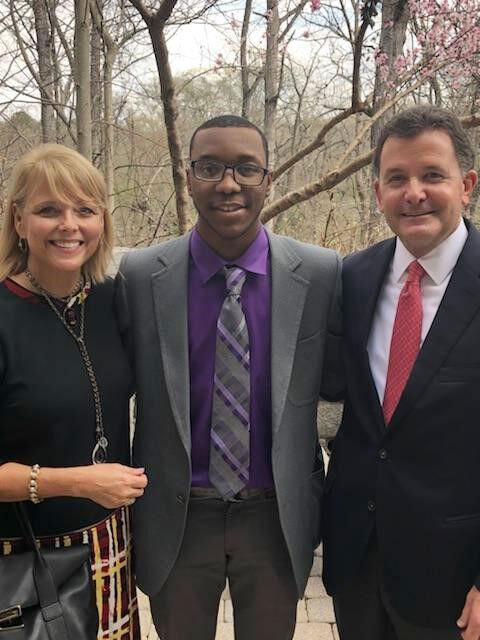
[[110, 552]]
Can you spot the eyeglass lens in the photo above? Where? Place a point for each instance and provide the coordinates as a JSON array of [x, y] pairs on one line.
[[244, 173]]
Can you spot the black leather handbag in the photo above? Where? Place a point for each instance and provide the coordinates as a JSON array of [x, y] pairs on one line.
[[48, 594]]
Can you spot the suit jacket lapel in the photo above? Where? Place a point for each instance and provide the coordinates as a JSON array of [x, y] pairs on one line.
[[289, 291], [170, 293], [460, 303], [369, 277]]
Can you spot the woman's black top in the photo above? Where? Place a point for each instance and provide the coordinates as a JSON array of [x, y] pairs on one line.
[[47, 413]]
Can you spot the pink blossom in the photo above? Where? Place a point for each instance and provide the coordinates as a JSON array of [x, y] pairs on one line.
[[400, 64]]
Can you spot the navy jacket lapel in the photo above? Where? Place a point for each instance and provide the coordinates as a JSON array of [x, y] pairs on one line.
[[368, 278]]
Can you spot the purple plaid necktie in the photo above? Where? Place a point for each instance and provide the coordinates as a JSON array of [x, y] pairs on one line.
[[230, 430]]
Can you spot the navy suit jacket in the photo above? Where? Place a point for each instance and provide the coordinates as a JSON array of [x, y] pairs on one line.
[[416, 481]]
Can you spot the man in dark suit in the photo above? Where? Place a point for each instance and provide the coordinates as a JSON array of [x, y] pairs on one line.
[[227, 327], [402, 504]]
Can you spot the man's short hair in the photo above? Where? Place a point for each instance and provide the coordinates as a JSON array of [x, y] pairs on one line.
[[416, 120], [229, 120]]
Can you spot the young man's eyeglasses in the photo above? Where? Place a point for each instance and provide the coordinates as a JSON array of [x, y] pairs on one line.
[[245, 173]]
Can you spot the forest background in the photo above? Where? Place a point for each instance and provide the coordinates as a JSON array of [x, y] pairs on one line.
[[127, 81]]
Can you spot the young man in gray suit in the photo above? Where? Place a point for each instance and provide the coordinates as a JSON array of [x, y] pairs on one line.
[[227, 328]]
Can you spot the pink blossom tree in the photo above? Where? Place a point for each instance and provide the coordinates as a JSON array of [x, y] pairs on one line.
[[422, 44]]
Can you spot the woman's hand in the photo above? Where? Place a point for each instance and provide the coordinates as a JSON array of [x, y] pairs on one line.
[[110, 485]]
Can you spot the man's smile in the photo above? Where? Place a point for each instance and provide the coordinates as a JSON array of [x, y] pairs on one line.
[[416, 214], [228, 207]]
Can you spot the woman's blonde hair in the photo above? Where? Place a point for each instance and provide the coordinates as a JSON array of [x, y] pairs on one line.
[[69, 176]]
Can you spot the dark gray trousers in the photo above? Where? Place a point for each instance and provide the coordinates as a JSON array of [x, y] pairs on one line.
[[244, 542], [363, 610]]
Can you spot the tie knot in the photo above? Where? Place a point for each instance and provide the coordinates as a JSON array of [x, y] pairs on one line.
[[234, 279], [415, 272]]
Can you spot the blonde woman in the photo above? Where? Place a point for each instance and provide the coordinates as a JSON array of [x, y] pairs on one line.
[[65, 381]]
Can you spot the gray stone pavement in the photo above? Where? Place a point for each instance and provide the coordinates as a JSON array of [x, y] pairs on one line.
[[315, 617]]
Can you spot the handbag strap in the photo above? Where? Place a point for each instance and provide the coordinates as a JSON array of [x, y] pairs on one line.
[[46, 589]]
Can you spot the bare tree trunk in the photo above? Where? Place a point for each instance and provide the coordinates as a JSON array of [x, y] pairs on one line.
[[156, 28], [32, 66], [395, 16], [60, 127], [108, 128], [111, 47], [96, 90], [82, 78], [271, 76], [271, 86], [45, 68], [170, 114], [392, 39], [246, 92]]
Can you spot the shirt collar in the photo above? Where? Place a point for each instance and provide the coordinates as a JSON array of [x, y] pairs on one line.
[[208, 263], [439, 262]]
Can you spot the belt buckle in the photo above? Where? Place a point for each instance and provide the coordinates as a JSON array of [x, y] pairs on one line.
[[247, 494], [11, 618]]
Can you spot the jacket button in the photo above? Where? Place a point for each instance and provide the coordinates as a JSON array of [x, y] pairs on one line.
[[371, 506], [383, 454], [181, 498]]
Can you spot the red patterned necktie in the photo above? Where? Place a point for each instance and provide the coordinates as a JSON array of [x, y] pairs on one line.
[[406, 336]]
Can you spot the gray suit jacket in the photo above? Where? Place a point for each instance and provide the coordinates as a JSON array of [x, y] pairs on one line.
[[152, 304]]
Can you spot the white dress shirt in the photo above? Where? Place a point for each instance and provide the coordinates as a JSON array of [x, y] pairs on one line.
[[438, 265]]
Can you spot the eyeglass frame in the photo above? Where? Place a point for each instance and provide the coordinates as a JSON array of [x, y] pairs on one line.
[[232, 167]]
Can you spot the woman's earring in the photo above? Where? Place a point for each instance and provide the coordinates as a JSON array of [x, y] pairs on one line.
[[22, 245]]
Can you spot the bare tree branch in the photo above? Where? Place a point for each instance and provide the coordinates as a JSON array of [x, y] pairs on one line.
[[328, 181], [316, 143]]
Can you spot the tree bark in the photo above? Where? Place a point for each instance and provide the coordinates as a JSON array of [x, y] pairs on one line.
[[82, 78], [96, 91], [392, 39], [170, 114], [246, 90], [395, 16], [108, 127], [45, 68], [271, 76]]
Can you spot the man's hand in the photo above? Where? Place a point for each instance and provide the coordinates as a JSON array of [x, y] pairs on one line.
[[469, 620]]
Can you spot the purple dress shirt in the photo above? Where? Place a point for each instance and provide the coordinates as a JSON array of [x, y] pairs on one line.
[[206, 292]]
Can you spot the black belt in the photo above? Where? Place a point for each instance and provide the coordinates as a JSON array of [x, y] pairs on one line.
[[244, 494]]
